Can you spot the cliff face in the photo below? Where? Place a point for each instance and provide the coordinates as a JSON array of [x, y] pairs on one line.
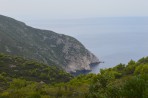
[[43, 45]]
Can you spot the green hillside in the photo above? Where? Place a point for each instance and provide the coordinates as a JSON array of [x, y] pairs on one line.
[[12, 67], [20, 78]]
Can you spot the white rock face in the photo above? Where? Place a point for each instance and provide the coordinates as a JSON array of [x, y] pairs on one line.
[[81, 63], [79, 58]]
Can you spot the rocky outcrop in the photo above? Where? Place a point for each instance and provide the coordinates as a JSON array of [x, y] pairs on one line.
[[79, 62], [43, 45]]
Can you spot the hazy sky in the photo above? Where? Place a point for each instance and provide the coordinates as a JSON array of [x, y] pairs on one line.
[[59, 9]]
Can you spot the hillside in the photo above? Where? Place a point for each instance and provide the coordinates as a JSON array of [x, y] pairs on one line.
[[16, 38], [20, 78], [16, 67]]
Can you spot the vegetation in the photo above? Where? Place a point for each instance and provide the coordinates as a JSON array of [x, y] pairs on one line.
[[12, 67], [20, 78], [121, 81]]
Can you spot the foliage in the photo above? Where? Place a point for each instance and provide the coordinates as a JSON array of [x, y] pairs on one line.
[[17, 67], [135, 87], [20, 78], [121, 81]]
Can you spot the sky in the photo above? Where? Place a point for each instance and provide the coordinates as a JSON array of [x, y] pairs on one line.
[[71, 9]]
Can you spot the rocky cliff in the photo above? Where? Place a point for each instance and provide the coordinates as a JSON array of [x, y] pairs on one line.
[[17, 38]]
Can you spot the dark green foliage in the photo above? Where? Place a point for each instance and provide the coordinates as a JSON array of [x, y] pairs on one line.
[[17, 67], [135, 87], [143, 60], [121, 81], [130, 68], [141, 69], [37, 80]]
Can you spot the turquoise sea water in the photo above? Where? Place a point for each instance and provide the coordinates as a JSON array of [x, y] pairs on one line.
[[113, 40]]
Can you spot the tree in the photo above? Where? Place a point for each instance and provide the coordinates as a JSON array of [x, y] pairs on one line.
[[141, 69], [130, 68], [135, 87]]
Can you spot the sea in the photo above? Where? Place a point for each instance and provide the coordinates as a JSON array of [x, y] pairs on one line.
[[113, 40]]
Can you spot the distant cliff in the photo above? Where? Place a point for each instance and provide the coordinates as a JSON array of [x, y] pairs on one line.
[[17, 38]]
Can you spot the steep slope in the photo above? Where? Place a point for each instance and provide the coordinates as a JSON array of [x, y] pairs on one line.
[[18, 67], [17, 38]]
